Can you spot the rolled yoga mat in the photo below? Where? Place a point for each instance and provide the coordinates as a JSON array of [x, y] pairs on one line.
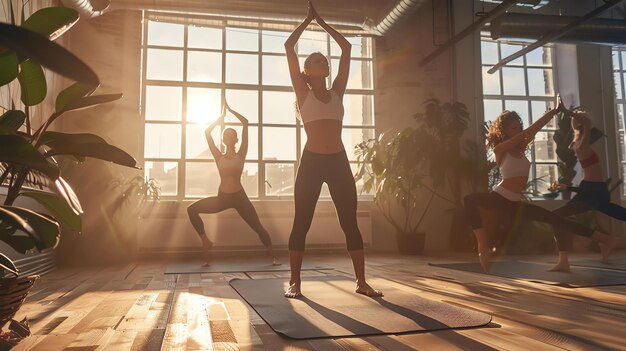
[[330, 308], [578, 277]]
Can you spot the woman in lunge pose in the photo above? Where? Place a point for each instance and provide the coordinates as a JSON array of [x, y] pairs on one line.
[[592, 192], [509, 141], [324, 158], [231, 193]]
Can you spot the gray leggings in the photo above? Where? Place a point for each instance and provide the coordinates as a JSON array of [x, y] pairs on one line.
[[334, 170], [239, 201]]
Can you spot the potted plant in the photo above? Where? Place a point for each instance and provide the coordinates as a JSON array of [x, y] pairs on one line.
[[28, 150]]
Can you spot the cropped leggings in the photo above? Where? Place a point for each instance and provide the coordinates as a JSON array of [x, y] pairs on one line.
[[239, 201], [334, 170], [590, 196], [518, 211]]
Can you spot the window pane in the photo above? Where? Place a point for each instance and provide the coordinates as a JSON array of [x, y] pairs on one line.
[[311, 42], [352, 136], [540, 82], [358, 110], [196, 144], [242, 68], [242, 39], [279, 143], [165, 64], [491, 82], [250, 179], [281, 177], [274, 41], [622, 150], [166, 34], [546, 175], [508, 49], [623, 174], [513, 80], [275, 71], [539, 108], [203, 104], [489, 52], [521, 107], [361, 47], [360, 76], [204, 66], [166, 173], [541, 56], [623, 61], [615, 57], [204, 38], [620, 116], [619, 93], [492, 108], [246, 102], [253, 141], [164, 103], [279, 107], [202, 179], [162, 141], [545, 147]]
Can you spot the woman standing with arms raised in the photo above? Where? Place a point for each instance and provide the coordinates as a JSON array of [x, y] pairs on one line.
[[324, 158]]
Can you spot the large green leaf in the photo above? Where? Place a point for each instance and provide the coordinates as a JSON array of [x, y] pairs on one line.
[[68, 194], [7, 264], [100, 151], [32, 82], [31, 45], [71, 93], [12, 119], [8, 67], [51, 22], [51, 138], [45, 231], [89, 101], [10, 219], [16, 150], [58, 207], [21, 243]]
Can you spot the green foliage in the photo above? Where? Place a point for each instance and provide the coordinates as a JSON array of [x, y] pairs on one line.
[[24, 51]]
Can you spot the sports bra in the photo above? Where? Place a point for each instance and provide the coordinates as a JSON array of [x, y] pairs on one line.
[[513, 167], [229, 163], [589, 161], [313, 109]]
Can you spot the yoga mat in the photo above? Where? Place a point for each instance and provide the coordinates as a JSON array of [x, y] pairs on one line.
[[615, 264], [230, 266], [330, 308], [579, 276]]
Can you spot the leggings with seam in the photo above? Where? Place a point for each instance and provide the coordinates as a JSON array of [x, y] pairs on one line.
[[590, 196], [518, 211], [239, 201], [334, 170]]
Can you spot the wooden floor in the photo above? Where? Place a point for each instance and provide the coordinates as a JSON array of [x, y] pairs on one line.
[[138, 307]]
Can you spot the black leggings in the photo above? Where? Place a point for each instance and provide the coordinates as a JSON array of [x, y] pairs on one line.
[[590, 196], [239, 201], [314, 170], [516, 212]]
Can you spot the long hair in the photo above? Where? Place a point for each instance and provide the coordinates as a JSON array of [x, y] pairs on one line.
[[496, 131], [306, 79]]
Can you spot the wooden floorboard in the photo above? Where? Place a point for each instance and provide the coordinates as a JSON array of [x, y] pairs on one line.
[[138, 307]]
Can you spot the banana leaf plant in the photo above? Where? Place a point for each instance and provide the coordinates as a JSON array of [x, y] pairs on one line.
[[26, 150]]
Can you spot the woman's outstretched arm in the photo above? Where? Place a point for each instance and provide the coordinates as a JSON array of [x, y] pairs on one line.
[[215, 151], [243, 148], [341, 80], [298, 82]]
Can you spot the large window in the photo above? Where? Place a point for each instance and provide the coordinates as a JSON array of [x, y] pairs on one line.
[[619, 74], [525, 85], [188, 69]]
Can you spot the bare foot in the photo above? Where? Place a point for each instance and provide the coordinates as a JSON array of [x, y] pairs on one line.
[[483, 257], [293, 291], [607, 249], [205, 264], [560, 267], [365, 289], [206, 247], [275, 261]]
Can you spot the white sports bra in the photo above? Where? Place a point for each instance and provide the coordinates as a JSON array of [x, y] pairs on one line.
[[513, 167], [313, 109], [224, 164]]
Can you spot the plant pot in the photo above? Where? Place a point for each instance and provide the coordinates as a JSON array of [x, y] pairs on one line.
[[411, 243], [13, 291], [566, 194]]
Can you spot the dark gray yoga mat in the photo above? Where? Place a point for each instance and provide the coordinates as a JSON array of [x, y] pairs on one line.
[[578, 278], [331, 308], [231, 266], [617, 264]]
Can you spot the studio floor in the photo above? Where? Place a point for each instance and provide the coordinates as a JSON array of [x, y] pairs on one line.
[[139, 307]]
